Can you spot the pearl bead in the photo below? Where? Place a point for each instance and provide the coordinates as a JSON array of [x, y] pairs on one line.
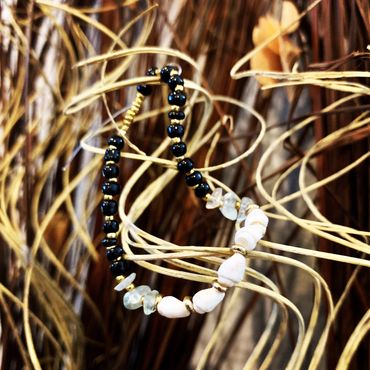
[[125, 282], [245, 239], [231, 271], [256, 216], [207, 300], [172, 308]]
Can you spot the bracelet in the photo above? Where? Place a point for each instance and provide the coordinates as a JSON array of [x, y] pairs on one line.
[[232, 270]]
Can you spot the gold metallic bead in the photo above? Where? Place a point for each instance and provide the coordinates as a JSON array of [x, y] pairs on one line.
[[158, 299], [237, 205], [179, 88], [175, 122], [178, 159], [188, 304], [120, 278], [207, 197], [219, 287], [109, 162], [174, 72], [190, 172], [175, 108], [111, 235], [130, 287], [109, 218], [239, 249], [107, 197], [176, 140]]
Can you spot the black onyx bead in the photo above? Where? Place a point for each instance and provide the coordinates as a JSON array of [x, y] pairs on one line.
[[114, 253], [151, 71], [175, 131], [177, 98], [116, 141], [111, 226], [175, 81], [112, 155], [109, 242], [202, 190], [109, 207], [110, 188], [118, 268], [110, 171], [173, 114], [144, 89], [166, 73], [178, 149], [193, 179], [185, 166]]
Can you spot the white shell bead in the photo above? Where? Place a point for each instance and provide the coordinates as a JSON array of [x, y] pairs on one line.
[[245, 239], [256, 216], [125, 282], [232, 270], [172, 308], [206, 300]]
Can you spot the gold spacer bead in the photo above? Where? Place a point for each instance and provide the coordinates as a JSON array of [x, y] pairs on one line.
[[179, 88], [120, 278], [109, 218], [175, 108], [109, 162], [158, 298], [189, 304], [176, 140], [174, 72], [112, 235], [107, 197], [239, 249], [130, 287], [219, 287], [207, 197], [178, 159], [237, 205], [175, 122]]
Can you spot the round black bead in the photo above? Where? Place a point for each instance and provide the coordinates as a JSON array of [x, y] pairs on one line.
[[110, 171], [194, 178], [109, 242], [173, 114], [151, 71], [175, 131], [185, 166], [110, 188], [111, 226], [109, 207], [112, 155], [178, 149], [116, 141], [118, 268], [166, 73], [202, 190], [175, 81], [146, 90], [177, 98], [114, 253]]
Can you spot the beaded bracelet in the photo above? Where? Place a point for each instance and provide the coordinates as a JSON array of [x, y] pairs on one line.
[[232, 270]]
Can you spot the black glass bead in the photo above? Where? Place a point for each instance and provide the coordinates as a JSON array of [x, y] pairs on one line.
[[174, 81], [166, 73], [114, 253], [185, 166], [151, 71], [111, 226], [110, 171], [173, 114], [194, 178], [116, 141], [109, 207], [178, 149], [175, 131], [110, 188], [146, 90], [112, 155], [202, 190], [177, 98], [118, 268], [109, 242]]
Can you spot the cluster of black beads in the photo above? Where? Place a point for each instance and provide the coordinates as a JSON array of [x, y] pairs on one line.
[[109, 207], [170, 75]]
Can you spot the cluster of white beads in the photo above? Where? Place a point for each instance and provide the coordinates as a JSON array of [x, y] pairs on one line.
[[230, 272]]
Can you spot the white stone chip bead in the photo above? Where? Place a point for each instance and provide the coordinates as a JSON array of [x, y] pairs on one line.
[[256, 216], [125, 282], [256, 230], [245, 239], [206, 300], [134, 298], [215, 199], [228, 208], [172, 308], [244, 204], [231, 271]]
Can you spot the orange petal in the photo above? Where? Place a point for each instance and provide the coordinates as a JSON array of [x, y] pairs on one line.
[[266, 27], [266, 60], [288, 15]]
